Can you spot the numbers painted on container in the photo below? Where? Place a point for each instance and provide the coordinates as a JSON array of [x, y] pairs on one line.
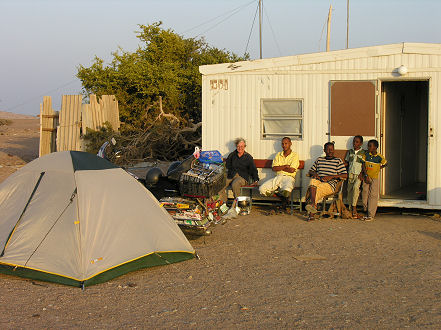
[[219, 84]]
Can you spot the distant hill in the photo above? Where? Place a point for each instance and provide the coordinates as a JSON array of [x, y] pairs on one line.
[[10, 115]]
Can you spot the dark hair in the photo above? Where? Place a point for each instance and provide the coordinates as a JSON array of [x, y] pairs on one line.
[[328, 144], [375, 142], [287, 138], [359, 137]]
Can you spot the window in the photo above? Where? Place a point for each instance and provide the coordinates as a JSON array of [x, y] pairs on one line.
[[282, 117]]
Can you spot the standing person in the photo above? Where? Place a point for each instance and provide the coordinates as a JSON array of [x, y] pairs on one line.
[[325, 174], [285, 165], [354, 160], [373, 163], [241, 169]]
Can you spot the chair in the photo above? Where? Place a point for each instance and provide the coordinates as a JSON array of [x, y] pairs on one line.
[[335, 197]]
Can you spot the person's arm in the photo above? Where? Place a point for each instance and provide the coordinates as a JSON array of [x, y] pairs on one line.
[[276, 167], [229, 161], [383, 162], [362, 176], [346, 159], [253, 171], [280, 168], [294, 165], [289, 168], [313, 171]]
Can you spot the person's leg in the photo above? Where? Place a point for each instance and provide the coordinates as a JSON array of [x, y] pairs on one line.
[[286, 185], [238, 182], [350, 190], [268, 187], [223, 193], [373, 198], [311, 207], [323, 189], [365, 195], [355, 195]]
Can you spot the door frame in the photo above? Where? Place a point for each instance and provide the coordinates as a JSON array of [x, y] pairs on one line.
[[381, 100]]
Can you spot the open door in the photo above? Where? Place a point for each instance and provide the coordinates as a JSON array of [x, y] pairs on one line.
[[353, 112], [405, 139]]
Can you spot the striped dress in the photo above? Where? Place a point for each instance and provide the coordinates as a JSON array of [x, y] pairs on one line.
[[325, 167]]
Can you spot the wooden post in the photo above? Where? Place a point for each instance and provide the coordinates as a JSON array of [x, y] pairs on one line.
[[328, 34], [48, 124], [68, 134]]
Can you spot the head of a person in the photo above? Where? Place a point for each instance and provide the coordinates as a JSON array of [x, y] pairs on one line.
[[357, 142], [240, 145], [372, 146], [329, 149], [286, 143]]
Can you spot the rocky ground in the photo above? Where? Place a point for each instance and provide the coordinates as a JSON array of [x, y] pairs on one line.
[[256, 271]]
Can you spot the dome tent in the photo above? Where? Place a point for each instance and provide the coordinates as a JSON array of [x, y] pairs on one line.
[[74, 218]]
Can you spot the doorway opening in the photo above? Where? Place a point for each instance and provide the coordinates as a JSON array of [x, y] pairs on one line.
[[404, 137]]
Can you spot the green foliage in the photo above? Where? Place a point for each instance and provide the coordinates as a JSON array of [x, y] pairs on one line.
[[165, 64], [95, 139]]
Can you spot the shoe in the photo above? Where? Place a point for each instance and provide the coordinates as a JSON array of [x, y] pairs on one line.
[[285, 193], [368, 219], [311, 209]]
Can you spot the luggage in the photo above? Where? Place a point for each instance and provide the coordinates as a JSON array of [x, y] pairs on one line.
[[203, 180]]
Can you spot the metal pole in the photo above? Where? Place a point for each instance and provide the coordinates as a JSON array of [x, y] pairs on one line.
[[260, 27], [347, 24], [328, 35]]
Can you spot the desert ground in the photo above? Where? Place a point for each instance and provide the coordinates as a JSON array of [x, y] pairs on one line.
[[255, 271]]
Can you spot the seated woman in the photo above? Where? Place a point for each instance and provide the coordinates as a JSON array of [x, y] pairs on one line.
[[241, 169], [325, 174]]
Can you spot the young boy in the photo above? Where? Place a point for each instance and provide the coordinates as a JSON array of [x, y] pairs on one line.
[[354, 160], [373, 163]]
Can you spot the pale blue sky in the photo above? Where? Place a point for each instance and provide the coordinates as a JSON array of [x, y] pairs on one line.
[[42, 42]]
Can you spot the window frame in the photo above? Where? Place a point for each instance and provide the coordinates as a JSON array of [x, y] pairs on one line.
[[275, 136]]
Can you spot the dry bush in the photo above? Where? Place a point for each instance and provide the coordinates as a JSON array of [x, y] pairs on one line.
[[5, 122]]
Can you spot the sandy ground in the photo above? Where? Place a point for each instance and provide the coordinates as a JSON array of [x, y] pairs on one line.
[[257, 271], [18, 145]]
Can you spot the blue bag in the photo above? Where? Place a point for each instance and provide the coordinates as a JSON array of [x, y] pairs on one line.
[[210, 157]]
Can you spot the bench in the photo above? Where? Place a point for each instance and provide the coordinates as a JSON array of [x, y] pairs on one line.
[[267, 163]]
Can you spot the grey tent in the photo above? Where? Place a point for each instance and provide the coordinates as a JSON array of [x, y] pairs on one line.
[[74, 218]]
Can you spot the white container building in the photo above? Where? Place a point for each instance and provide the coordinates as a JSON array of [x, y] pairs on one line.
[[391, 93]]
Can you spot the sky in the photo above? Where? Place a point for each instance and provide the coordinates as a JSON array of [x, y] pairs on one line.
[[43, 42]]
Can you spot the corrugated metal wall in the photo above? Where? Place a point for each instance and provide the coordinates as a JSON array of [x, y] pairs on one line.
[[229, 113]]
